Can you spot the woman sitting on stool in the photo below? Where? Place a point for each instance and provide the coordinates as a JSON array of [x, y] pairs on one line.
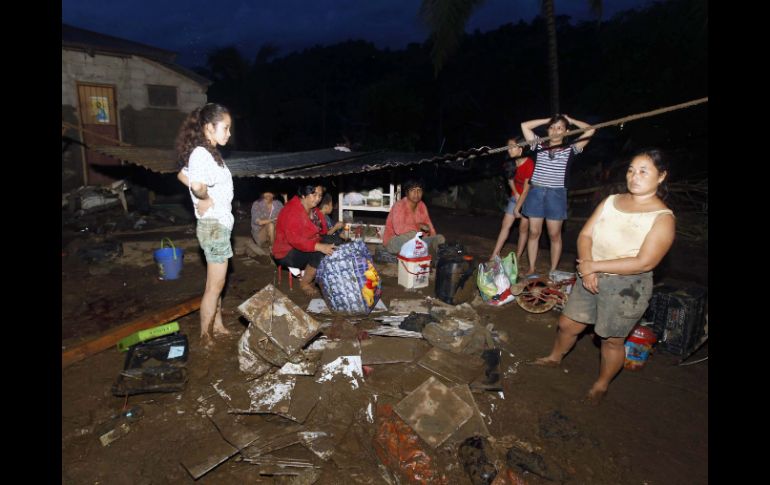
[[298, 239]]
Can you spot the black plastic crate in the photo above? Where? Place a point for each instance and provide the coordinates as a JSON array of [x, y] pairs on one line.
[[156, 365], [678, 318]]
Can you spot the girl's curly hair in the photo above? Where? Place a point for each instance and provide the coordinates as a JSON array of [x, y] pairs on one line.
[[191, 134]]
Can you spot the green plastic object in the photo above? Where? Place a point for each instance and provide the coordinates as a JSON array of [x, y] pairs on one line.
[[147, 334]]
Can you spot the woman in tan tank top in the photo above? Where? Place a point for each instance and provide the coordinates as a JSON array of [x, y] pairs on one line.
[[624, 239]]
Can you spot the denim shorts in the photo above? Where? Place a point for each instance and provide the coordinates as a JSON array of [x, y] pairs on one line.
[[214, 239], [546, 203], [619, 305], [511, 205]]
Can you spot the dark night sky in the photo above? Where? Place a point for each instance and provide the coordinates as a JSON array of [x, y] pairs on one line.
[[193, 27]]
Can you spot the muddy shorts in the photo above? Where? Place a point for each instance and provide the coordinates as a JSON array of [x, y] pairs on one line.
[[214, 239], [620, 303]]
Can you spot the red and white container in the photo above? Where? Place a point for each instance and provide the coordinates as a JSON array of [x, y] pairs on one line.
[[413, 272]]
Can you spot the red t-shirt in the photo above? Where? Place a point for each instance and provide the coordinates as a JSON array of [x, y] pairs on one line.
[[401, 220], [523, 172], [294, 229]]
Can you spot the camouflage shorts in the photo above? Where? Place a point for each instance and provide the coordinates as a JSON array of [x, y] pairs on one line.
[[214, 239]]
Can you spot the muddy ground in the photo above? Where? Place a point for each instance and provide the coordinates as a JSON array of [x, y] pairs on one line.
[[652, 428]]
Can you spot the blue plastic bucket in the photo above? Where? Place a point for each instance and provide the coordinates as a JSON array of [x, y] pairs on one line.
[[169, 260]]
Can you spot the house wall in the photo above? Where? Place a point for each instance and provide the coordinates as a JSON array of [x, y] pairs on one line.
[[139, 123]]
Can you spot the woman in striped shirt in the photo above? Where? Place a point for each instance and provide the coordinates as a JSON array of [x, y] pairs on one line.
[[547, 197]]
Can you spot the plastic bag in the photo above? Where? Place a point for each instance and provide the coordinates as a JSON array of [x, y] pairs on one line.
[[494, 281], [511, 267], [485, 280], [414, 248], [348, 280]]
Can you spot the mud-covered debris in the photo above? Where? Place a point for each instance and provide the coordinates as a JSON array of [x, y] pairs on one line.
[[557, 425], [458, 368], [285, 324], [519, 459], [434, 411], [400, 451], [101, 251], [474, 455], [491, 379], [415, 322]]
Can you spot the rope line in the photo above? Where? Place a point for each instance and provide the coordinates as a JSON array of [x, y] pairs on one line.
[[618, 121]]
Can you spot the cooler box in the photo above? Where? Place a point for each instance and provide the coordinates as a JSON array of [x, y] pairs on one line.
[[413, 272]]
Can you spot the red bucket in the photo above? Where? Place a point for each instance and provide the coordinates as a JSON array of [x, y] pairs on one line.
[[638, 346]]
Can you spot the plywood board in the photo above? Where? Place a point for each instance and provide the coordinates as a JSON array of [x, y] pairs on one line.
[[458, 368], [286, 324], [382, 350], [433, 411], [475, 426]]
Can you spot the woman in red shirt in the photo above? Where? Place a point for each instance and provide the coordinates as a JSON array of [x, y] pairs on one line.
[[519, 182], [298, 238]]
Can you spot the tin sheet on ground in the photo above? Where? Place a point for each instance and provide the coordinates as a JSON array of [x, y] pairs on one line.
[[458, 368], [381, 350], [286, 324], [390, 331], [318, 305], [433, 411]]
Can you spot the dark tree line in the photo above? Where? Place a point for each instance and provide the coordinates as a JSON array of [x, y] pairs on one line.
[[374, 98]]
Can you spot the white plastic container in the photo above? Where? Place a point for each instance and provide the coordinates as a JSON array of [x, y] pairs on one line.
[[413, 272]]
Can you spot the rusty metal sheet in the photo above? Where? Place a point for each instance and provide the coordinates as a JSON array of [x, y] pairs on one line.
[[382, 350], [433, 411], [286, 324], [458, 368]]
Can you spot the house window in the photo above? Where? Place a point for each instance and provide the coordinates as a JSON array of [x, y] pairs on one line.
[[161, 96]]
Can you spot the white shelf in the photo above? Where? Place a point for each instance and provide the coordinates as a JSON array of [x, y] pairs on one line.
[[394, 194], [366, 208]]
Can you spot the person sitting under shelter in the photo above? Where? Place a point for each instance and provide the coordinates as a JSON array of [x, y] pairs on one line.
[[264, 213], [298, 236], [407, 217]]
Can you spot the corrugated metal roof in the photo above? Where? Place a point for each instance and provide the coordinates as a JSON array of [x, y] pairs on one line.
[[309, 164]]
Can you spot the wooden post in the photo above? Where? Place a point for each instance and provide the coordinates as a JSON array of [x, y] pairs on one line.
[[113, 336]]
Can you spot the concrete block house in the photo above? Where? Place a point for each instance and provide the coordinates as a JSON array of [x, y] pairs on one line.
[[115, 90]]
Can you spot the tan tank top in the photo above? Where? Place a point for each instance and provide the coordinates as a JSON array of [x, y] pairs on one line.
[[619, 234]]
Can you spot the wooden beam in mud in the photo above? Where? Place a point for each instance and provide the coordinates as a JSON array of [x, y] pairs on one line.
[[113, 336]]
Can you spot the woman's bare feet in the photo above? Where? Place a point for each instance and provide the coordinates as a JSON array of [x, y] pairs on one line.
[[544, 362], [595, 396], [207, 341], [221, 330]]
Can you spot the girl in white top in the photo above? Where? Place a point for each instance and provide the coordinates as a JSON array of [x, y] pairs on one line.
[[624, 239], [211, 190]]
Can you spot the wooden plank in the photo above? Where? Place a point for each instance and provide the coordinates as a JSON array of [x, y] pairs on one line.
[[113, 336]]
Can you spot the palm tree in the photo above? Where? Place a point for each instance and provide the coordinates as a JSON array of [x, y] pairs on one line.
[[446, 20]]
